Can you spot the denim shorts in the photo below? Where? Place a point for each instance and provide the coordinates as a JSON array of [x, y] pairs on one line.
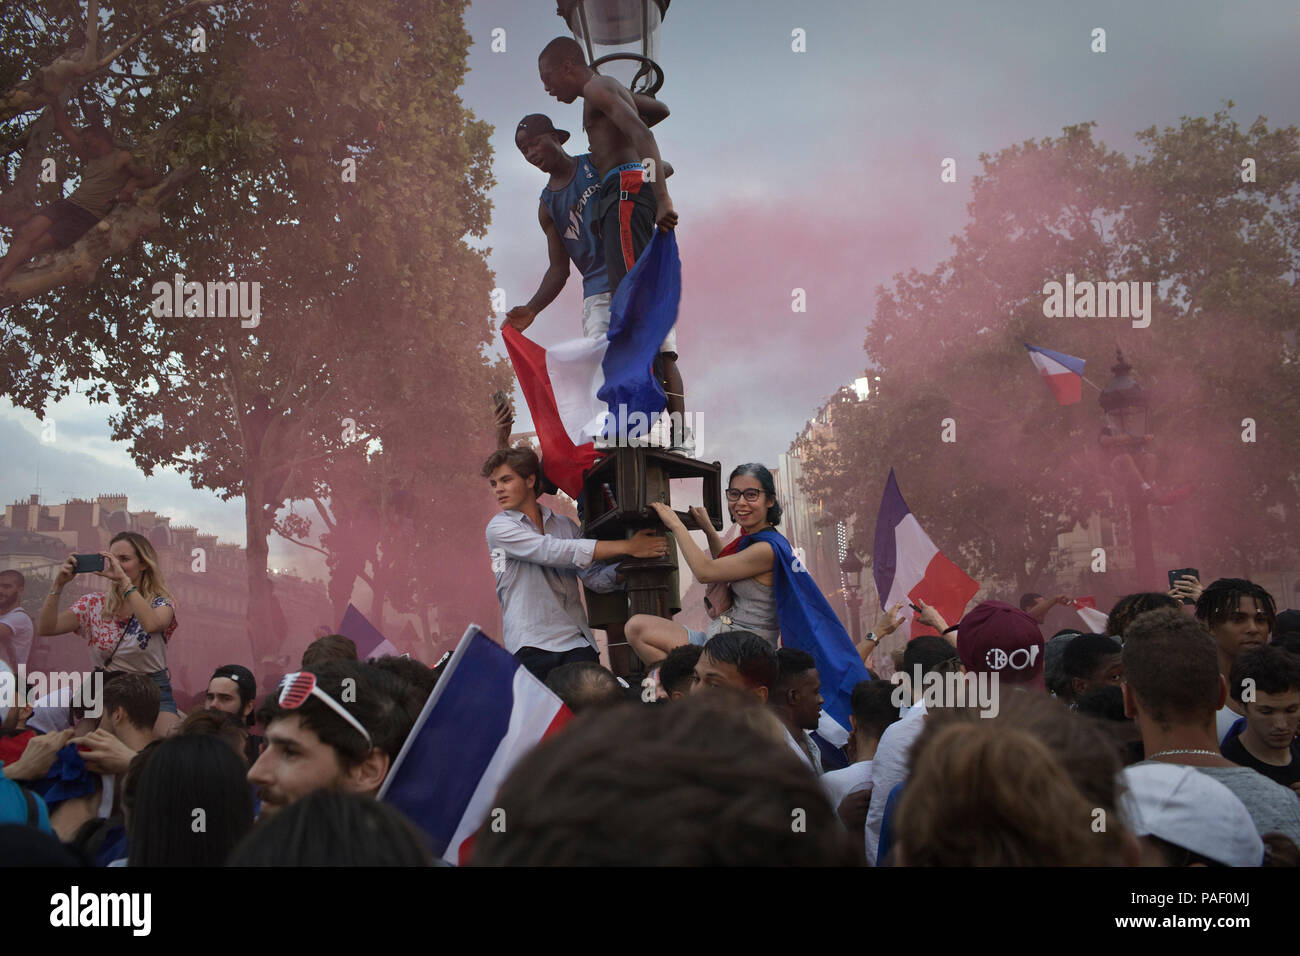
[[166, 701]]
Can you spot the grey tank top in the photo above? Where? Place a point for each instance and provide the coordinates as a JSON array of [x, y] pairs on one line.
[[753, 608]]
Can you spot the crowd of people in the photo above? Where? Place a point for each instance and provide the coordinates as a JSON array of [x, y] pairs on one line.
[[1170, 740]]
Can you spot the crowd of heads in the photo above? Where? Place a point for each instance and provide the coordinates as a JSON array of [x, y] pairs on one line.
[[702, 771]]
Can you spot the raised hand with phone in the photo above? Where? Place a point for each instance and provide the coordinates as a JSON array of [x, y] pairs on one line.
[[127, 627], [1185, 585]]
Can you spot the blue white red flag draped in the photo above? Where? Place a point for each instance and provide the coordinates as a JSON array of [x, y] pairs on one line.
[[809, 624]]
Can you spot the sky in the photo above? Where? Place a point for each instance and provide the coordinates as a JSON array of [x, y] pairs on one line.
[[815, 170]]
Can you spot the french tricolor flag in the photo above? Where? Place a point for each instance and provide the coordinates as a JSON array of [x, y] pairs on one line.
[[486, 712], [586, 389], [1063, 373], [369, 641], [907, 565]]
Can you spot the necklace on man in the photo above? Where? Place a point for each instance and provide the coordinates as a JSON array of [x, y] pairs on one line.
[[1166, 753]]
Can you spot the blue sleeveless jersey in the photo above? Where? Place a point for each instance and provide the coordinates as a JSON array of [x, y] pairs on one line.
[[572, 210]]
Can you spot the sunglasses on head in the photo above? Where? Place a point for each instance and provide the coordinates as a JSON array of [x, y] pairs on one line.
[[297, 687]]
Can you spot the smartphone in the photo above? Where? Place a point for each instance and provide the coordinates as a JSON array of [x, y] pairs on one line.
[[88, 562], [499, 397], [1178, 573]]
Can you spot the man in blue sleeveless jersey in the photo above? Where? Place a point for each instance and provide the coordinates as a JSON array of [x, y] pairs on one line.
[[566, 214]]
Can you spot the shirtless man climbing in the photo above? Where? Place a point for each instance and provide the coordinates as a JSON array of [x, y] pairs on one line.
[[629, 207]]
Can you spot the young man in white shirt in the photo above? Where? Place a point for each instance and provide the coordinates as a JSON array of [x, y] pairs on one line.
[[16, 631], [873, 711], [537, 558], [925, 654]]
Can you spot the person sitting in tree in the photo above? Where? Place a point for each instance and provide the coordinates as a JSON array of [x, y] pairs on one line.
[[109, 175]]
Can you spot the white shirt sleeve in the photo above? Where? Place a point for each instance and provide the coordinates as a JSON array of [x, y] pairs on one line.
[[889, 769], [512, 539]]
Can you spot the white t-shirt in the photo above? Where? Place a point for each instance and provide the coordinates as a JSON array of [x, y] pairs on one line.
[[838, 784], [50, 713], [889, 768], [23, 635]]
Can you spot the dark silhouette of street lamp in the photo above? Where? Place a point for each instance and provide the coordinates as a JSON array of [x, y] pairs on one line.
[[1124, 407], [851, 567], [619, 30]]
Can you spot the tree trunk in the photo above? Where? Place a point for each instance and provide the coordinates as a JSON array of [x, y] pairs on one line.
[[257, 533], [342, 580]]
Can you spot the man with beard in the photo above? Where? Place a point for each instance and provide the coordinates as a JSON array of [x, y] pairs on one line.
[[233, 690], [344, 735]]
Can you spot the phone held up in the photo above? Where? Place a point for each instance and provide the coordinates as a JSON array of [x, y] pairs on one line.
[[88, 562], [1178, 573]]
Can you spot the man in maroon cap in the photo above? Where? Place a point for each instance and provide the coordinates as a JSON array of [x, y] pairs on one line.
[[999, 638], [995, 638]]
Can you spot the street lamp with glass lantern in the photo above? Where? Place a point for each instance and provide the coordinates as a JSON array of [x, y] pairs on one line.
[[620, 37]]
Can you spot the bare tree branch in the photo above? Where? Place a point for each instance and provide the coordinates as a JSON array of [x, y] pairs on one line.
[[301, 544], [320, 508]]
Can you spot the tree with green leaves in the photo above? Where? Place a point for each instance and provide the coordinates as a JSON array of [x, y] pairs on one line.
[[1017, 469], [336, 176]]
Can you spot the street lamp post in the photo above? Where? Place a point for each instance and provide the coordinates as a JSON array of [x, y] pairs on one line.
[[1124, 407], [852, 568], [621, 38]]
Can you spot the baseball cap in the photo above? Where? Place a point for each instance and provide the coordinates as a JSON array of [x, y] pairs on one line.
[[1189, 809], [1288, 622], [242, 677], [997, 637], [535, 124]]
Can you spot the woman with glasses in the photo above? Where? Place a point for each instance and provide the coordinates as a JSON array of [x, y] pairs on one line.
[[751, 500]]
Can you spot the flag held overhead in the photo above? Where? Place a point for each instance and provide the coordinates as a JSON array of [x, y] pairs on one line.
[[1063, 373]]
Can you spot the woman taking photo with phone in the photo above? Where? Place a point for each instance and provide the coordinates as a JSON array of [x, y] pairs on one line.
[[751, 500], [126, 627]]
